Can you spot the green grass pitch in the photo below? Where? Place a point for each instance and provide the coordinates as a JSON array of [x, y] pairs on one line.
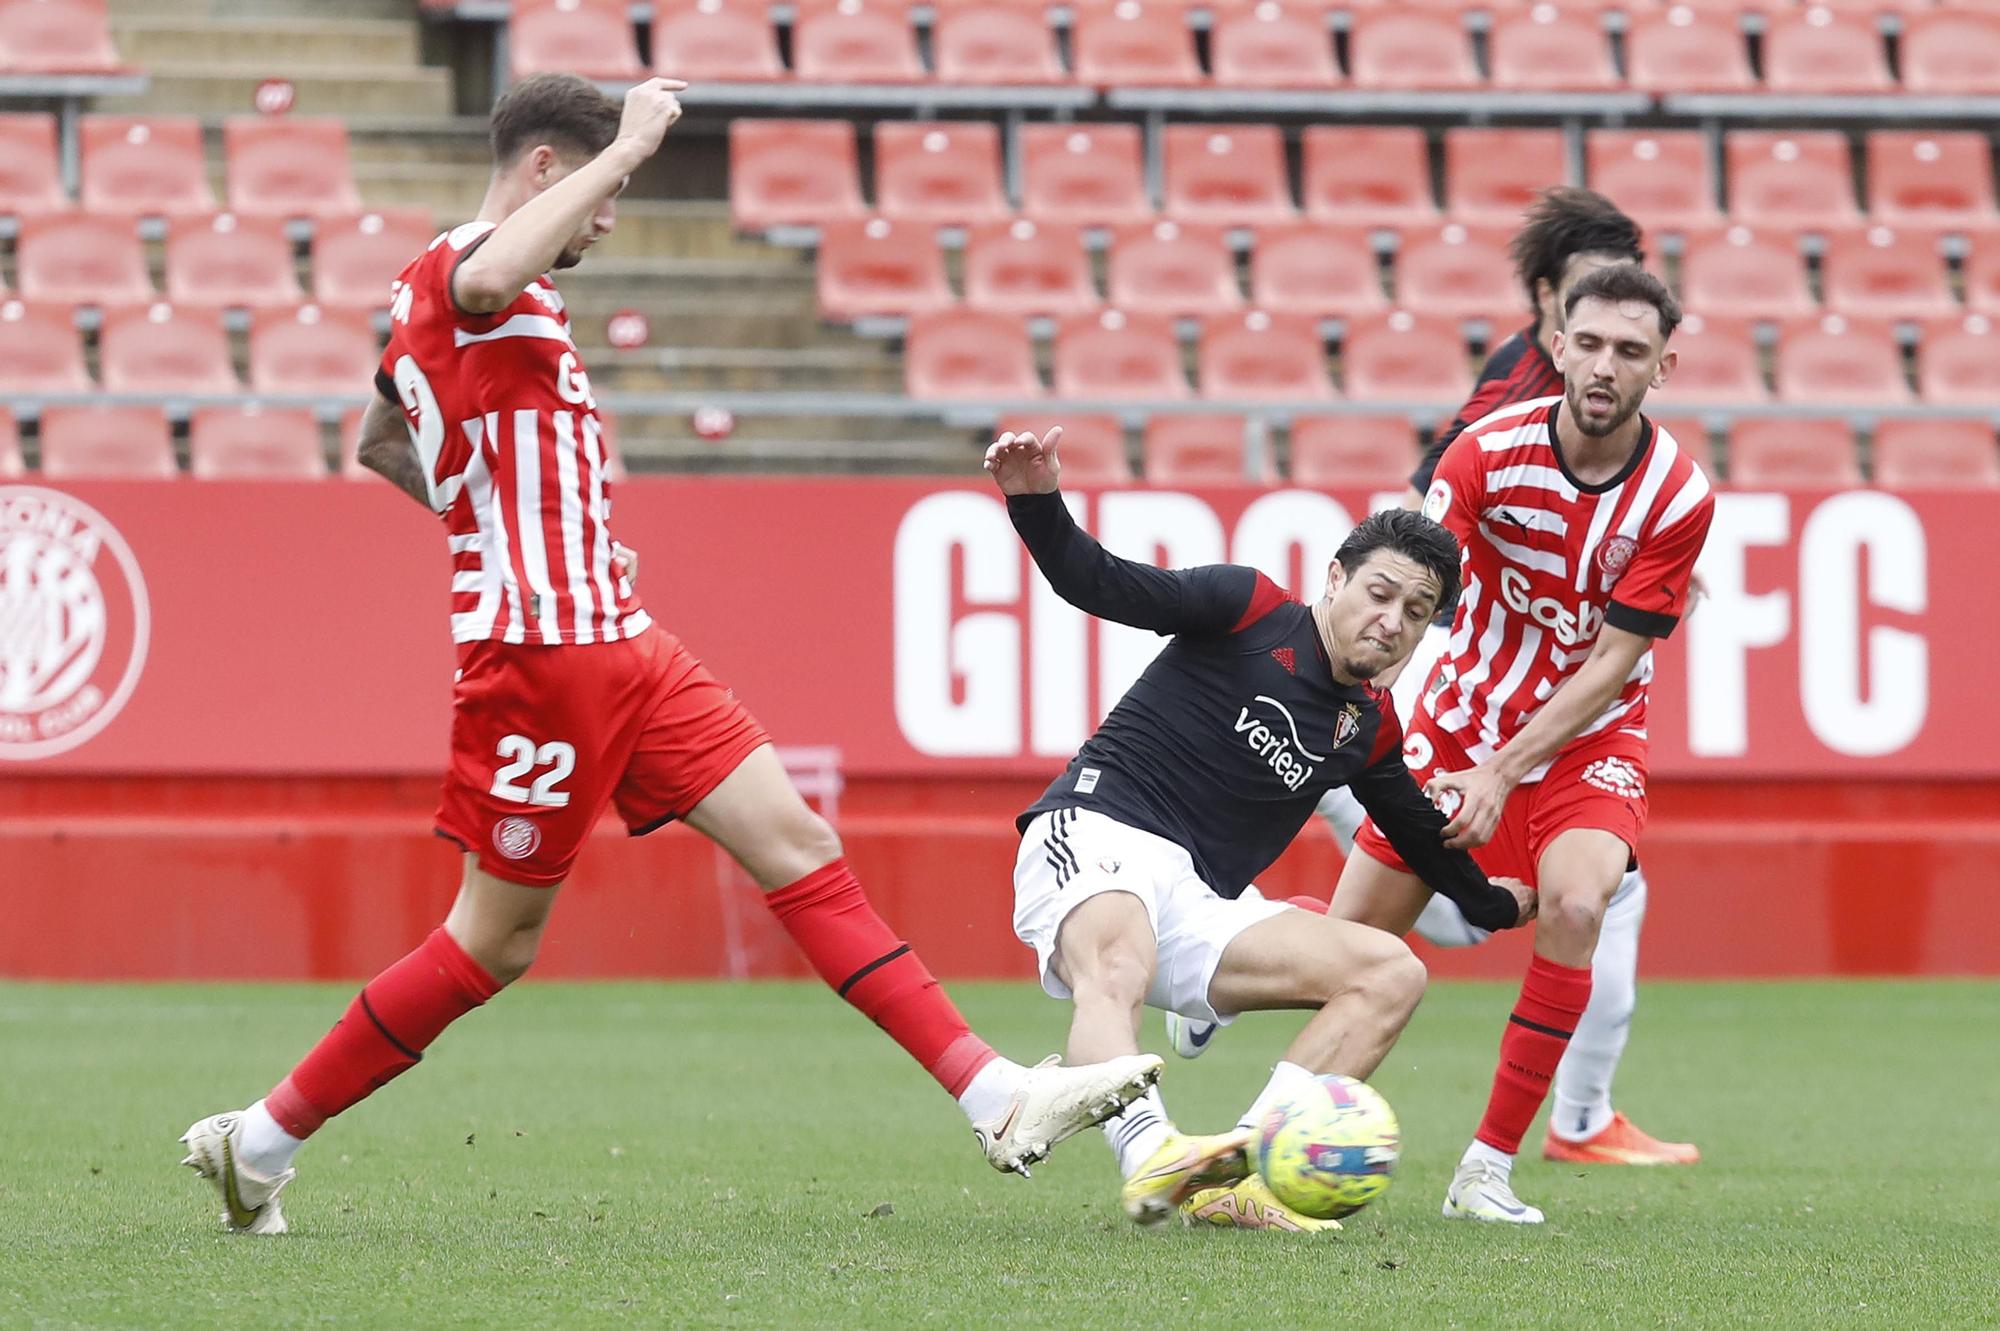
[[713, 1155]]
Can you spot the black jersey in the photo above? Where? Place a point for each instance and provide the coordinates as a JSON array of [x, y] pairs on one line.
[[1227, 741], [1519, 370]]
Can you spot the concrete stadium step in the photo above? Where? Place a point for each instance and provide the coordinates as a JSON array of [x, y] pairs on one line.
[[744, 369], [403, 10], [802, 447], [215, 88], [287, 48]]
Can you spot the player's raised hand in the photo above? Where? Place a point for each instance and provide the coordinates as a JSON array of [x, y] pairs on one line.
[[1473, 800], [1021, 464], [650, 111]]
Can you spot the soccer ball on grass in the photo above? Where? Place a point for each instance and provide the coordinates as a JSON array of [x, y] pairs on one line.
[[1328, 1151]]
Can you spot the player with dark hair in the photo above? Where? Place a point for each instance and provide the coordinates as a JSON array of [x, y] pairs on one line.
[[1133, 883], [569, 697], [1581, 522]]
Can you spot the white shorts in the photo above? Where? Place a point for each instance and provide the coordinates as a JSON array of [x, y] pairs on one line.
[[1070, 855]]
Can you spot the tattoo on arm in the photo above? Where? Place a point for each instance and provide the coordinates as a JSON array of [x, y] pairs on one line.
[[386, 450]]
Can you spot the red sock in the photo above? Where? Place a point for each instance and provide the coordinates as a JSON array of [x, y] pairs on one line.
[[851, 948], [383, 1033], [1313, 904], [1552, 1001]]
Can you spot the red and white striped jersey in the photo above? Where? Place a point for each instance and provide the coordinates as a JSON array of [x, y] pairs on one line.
[[1548, 562], [509, 438]]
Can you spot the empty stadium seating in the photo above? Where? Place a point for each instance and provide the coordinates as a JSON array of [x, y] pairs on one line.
[[101, 442], [1405, 49], [1945, 453], [1092, 448], [1029, 268], [1716, 363], [1364, 452], [1367, 175], [1742, 274], [1201, 450], [1661, 178], [1837, 360], [1325, 272], [289, 166], [716, 41], [594, 38], [874, 267], [354, 259], [1958, 362], [1780, 178], [962, 353], [1171, 269], [1133, 43], [1117, 354], [1458, 272], [30, 170], [1882, 273], [1687, 50], [166, 350], [792, 172], [12, 464], [40, 350], [312, 350], [1233, 175], [1931, 178], [1492, 175], [943, 173], [144, 166], [1089, 175], [1792, 453], [57, 37], [1272, 44], [232, 261], [999, 42], [855, 41], [81, 259], [1400, 356], [1950, 53], [1819, 51], [1260, 356], [254, 442], [1551, 49]]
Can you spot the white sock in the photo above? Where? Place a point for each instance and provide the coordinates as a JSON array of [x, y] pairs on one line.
[[1286, 1079], [991, 1088], [1443, 924], [1479, 1151], [1138, 1130], [1580, 1099], [267, 1149]]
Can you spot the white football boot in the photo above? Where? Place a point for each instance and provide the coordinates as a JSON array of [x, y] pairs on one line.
[[249, 1203], [1481, 1190], [1189, 1036], [1054, 1103]]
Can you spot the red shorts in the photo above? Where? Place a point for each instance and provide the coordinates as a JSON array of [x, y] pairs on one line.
[[542, 738], [1596, 782]]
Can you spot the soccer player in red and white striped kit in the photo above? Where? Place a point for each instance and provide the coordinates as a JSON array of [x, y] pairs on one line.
[[569, 697]]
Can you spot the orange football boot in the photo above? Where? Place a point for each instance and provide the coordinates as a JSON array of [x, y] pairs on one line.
[[1620, 1142]]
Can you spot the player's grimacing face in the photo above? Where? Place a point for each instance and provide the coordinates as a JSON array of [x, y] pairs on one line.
[[1377, 613], [1610, 354]]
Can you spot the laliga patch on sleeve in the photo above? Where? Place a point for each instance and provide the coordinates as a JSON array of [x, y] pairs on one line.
[[1438, 502]]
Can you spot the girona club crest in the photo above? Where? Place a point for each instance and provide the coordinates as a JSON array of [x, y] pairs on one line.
[[73, 623]]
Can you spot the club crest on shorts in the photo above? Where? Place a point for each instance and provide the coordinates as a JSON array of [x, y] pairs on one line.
[[1613, 555], [516, 837], [1615, 776], [74, 622], [1347, 725]]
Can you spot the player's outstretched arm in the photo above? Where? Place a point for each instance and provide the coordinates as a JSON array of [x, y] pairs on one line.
[[386, 450], [523, 246], [1415, 827]]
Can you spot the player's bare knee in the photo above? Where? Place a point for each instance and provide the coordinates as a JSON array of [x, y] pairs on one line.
[[816, 839], [1386, 975], [1574, 917]]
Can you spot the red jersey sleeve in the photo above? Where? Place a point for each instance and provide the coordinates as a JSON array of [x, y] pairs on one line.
[[1651, 594], [1458, 489]]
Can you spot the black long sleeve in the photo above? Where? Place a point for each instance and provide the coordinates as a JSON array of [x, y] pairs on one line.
[[1207, 600], [1415, 827]]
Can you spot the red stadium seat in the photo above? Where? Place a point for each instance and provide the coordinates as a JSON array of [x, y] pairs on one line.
[[1367, 175], [1742, 273], [1405, 49], [1792, 453], [855, 41], [1325, 272], [1931, 178], [1405, 357], [1661, 178], [997, 42], [1353, 452], [1233, 175], [40, 350], [1456, 272], [1092, 449], [1790, 179], [1201, 450], [1690, 432], [946, 173], [792, 173], [30, 170], [354, 259], [107, 443], [1133, 43], [1492, 175], [12, 464], [253, 442], [1717, 364], [1837, 359], [1025, 268], [142, 167], [1958, 363], [1951, 54], [877, 267], [1272, 44], [594, 38], [328, 353], [1982, 280], [1090, 175], [1551, 49], [1935, 453], [1119, 355], [969, 354], [1265, 357], [57, 37], [715, 41], [1686, 50], [1879, 272], [163, 350], [289, 166], [231, 261], [81, 259], [1171, 269], [1821, 53]]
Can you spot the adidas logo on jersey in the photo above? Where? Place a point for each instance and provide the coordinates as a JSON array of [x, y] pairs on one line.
[[1285, 657]]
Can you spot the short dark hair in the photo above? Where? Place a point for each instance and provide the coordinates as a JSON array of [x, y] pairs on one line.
[[572, 115], [1409, 534], [1626, 282], [1564, 222]]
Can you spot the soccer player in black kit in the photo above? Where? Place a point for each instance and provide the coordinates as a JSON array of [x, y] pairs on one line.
[[1133, 884]]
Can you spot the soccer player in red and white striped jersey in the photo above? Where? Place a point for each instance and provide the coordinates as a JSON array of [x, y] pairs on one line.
[[569, 698], [1581, 522]]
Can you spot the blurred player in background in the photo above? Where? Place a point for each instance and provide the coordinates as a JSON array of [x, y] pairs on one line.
[[568, 697], [1581, 522], [1133, 883], [1570, 233]]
